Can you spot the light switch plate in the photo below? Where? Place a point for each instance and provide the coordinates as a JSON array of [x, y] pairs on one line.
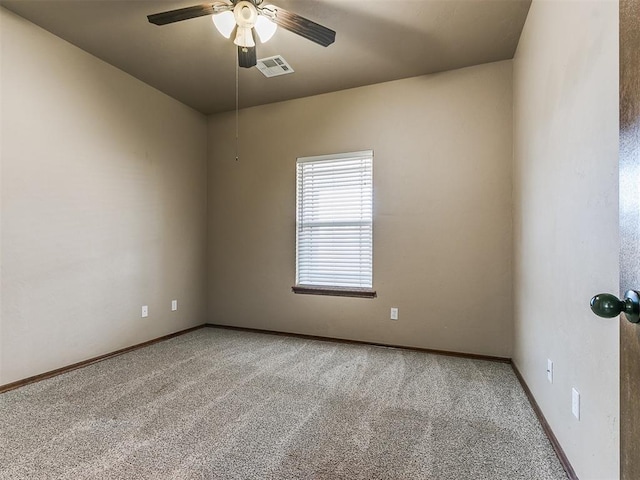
[[550, 371], [174, 305], [575, 403], [145, 311], [394, 313]]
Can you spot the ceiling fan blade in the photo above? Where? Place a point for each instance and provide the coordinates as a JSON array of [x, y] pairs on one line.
[[247, 57], [302, 26], [181, 14]]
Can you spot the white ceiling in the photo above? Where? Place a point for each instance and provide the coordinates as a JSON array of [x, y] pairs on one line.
[[376, 41]]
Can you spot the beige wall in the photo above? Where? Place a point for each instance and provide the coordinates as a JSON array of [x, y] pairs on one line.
[[103, 206], [566, 222], [442, 211]]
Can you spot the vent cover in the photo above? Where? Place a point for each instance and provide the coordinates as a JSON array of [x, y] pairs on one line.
[[274, 66]]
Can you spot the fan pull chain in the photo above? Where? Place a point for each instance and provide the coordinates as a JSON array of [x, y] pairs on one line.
[[237, 104]]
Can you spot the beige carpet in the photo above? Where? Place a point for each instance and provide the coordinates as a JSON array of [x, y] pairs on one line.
[[225, 404]]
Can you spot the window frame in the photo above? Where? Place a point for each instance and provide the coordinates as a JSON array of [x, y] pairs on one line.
[[342, 291]]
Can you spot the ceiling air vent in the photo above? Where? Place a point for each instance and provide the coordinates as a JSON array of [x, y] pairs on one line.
[[274, 66]]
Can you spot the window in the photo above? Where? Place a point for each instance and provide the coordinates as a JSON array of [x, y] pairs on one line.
[[334, 224]]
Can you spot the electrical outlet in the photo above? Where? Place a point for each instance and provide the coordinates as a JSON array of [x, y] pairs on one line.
[[394, 313], [549, 371], [575, 403], [145, 311], [174, 305]]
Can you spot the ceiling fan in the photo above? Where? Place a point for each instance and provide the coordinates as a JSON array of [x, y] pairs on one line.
[[244, 16]]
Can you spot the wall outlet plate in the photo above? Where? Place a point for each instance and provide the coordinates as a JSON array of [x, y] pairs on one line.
[[174, 305], [145, 311], [394, 313], [549, 371]]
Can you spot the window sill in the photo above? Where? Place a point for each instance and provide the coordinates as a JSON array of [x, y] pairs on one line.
[[334, 291]]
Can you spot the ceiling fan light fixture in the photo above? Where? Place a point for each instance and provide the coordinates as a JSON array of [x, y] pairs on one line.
[[265, 28], [245, 14], [244, 37], [225, 22]]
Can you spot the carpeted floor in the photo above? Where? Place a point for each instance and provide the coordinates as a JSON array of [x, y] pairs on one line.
[[225, 404]]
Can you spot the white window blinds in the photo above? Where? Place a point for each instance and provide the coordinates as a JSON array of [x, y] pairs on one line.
[[335, 220]]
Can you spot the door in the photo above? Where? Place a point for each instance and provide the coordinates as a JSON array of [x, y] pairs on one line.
[[629, 235], [607, 305]]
